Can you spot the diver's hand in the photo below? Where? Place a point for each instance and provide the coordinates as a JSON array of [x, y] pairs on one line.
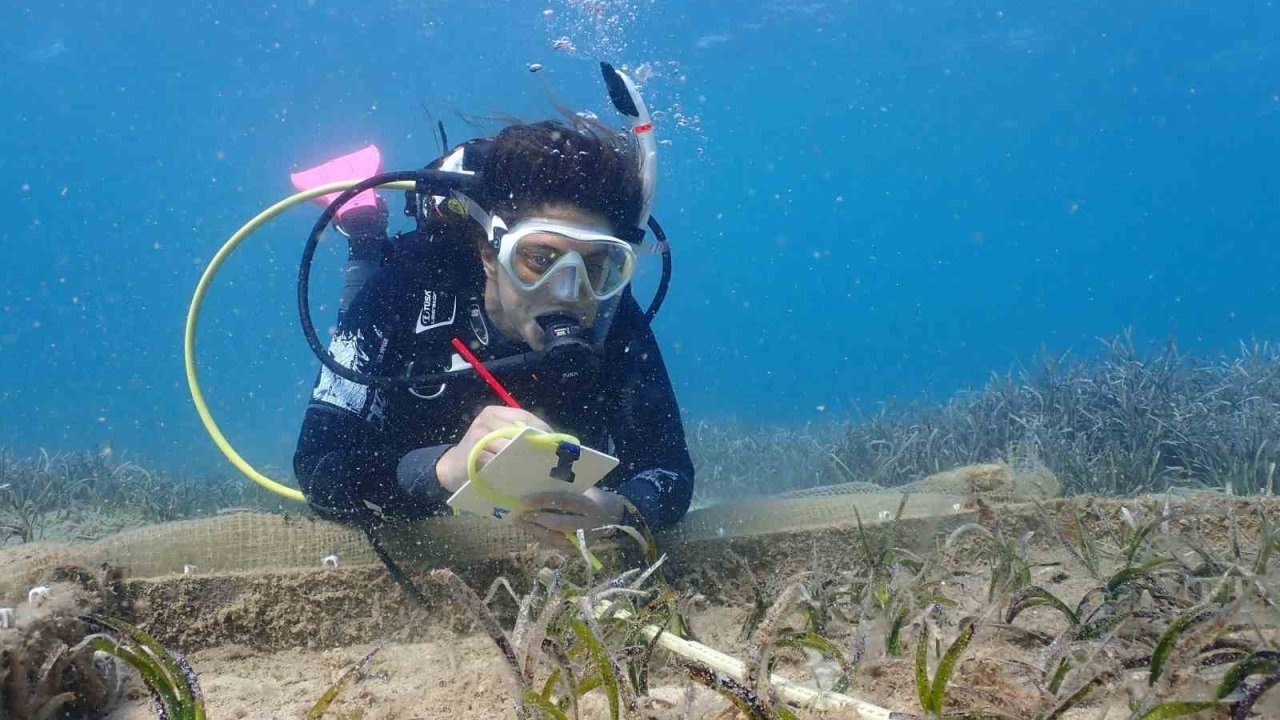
[[364, 221], [551, 515], [451, 468]]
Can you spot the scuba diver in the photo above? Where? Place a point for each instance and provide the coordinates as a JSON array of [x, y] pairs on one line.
[[532, 262]]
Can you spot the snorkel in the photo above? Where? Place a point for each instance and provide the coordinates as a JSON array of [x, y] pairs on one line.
[[627, 100]]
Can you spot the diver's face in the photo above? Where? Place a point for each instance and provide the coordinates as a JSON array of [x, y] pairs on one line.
[[516, 310]]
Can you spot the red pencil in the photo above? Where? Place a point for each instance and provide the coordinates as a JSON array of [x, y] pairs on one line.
[[470, 357]]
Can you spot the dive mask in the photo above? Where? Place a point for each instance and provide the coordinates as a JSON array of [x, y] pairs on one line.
[[564, 262]]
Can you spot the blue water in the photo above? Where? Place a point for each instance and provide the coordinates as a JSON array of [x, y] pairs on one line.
[[867, 201]]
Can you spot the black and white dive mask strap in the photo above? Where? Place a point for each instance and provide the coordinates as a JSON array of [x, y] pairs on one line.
[[494, 227]]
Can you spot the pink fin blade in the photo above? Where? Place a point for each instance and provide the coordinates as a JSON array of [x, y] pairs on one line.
[[359, 165]]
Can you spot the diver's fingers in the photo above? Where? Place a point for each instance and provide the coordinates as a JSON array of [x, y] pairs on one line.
[[490, 450], [501, 416], [484, 457], [535, 422]]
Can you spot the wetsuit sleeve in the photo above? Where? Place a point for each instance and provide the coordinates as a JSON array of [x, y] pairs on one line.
[[347, 458], [647, 431]]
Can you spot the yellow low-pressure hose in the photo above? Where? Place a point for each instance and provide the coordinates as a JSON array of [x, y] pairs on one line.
[[193, 316]]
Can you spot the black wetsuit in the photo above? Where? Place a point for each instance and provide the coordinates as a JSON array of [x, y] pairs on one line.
[[367, 453]]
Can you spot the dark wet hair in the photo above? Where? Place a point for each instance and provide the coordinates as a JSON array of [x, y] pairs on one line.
[[583, 164]]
